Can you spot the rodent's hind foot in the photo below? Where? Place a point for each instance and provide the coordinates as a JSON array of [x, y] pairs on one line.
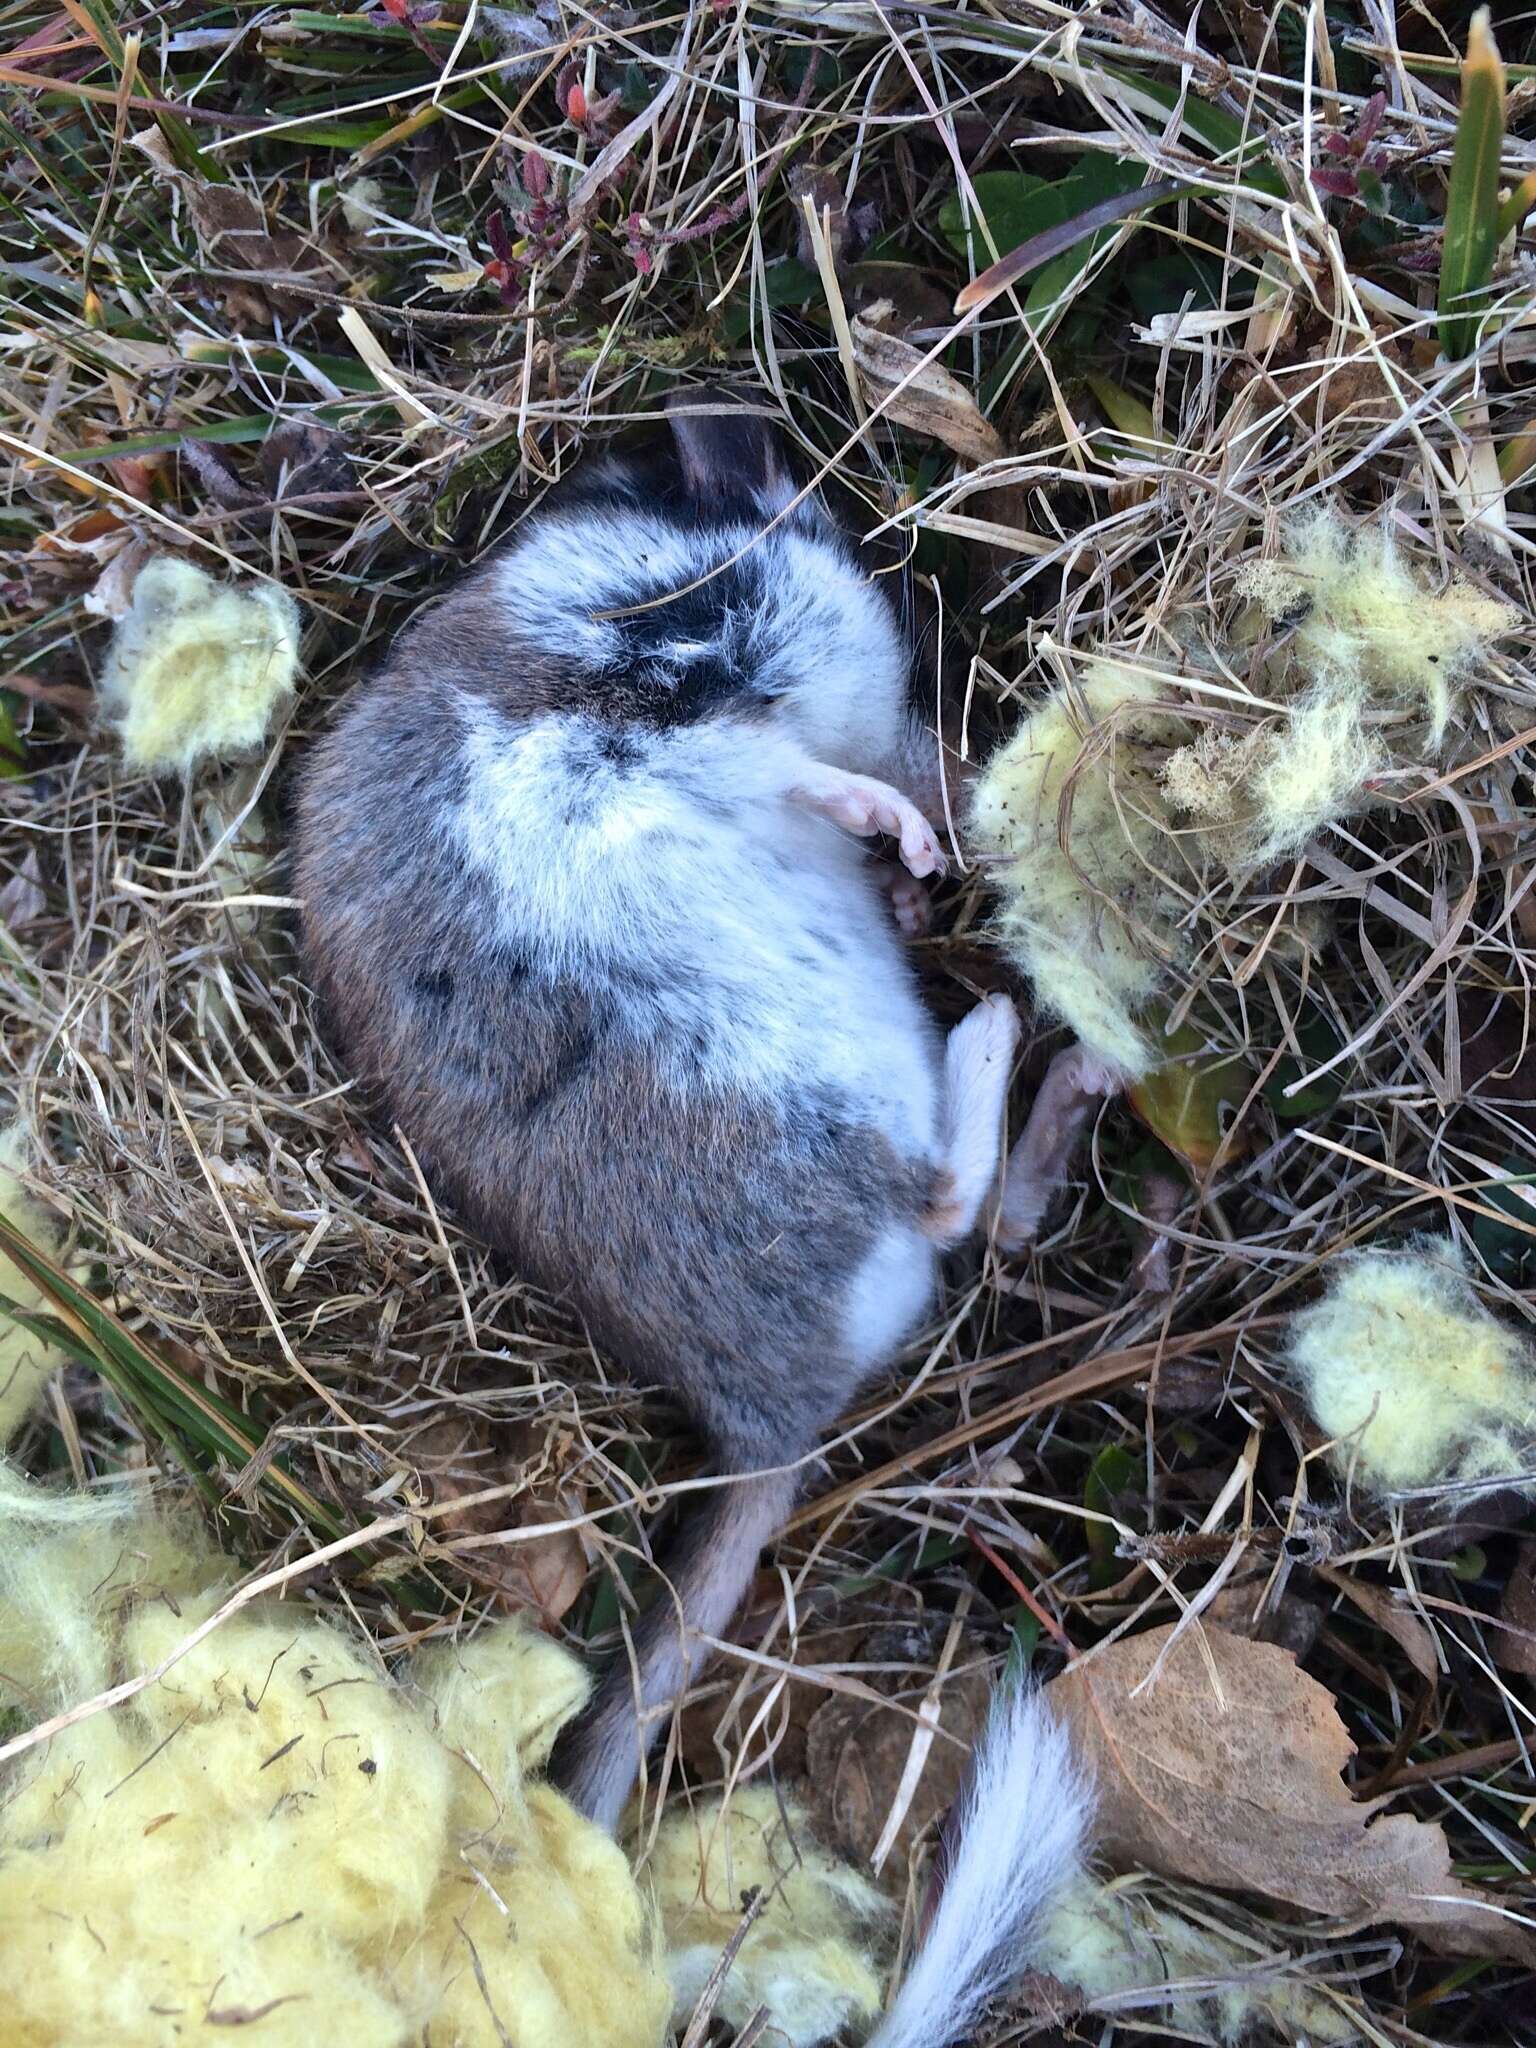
[[977, 1062], [1075, 1084], [908, 898]]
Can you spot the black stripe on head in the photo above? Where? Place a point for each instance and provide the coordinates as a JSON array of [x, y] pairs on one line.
[[700, 652]]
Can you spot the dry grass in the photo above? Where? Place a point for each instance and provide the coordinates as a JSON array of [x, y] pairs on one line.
[[169, 353]]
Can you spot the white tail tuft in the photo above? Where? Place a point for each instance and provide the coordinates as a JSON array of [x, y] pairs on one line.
[[1018, 1839]]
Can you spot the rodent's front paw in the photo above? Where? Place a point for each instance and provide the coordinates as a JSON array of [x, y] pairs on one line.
[[877, 807], [861, 804], [920, 850]]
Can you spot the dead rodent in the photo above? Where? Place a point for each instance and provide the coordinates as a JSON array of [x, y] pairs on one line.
[[584, 900]]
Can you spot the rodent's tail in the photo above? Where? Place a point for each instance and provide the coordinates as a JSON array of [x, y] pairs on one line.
[[709, 1570], [1017, 1838]]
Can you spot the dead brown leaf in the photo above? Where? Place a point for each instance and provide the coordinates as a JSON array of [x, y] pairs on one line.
[[459, 1456], [111, 596], [847, 228], [927, 398], [1225, 1769], [302, 459], [233, 230], [1514, 1644], [919, 300], [856, 1756], [709, 1728], [1241, 1607], [1389, 1615], [22, 897]]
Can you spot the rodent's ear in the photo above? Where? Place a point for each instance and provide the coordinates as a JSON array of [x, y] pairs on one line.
[[726, 450]]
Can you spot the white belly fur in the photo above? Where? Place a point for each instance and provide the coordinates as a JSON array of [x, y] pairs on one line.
[[756, 937]]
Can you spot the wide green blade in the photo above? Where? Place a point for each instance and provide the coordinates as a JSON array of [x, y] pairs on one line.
[[1472, 209]]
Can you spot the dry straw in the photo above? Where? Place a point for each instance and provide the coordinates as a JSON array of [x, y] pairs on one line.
[[178, 377]]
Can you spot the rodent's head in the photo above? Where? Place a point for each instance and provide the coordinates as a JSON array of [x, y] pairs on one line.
[[792, 605], [696, 585]]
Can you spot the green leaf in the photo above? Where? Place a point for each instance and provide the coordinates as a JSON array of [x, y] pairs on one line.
[[188, 157], [13, 748], [1048, 235], [1113, 1475], [1099, 198], [789, 283], [1014, 205], [378, 28], [1128, 1177], [1095, 178], [1222, 133], [1319, 1041], [1175, 274], [1128, 414], [348, 135], [1373, 192], [829, 73], [1505, 1248], [253, 427], [1024, 1634], [785, 283], [1292, 29], [1182, 1099], [1515, 208], [346, 371], [1472, 207]]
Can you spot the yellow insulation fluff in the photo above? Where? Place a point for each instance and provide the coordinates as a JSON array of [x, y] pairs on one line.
[[197, 668], [1402, 1364], [1371, 643], [513, 1687], [1309, 772], [1113, 1939], [807, 1956], [1369, 626], [25, 1360], [278, 1837], [1371, 647], [1091, 931]]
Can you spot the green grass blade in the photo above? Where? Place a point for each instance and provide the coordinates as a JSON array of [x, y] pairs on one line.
[[1220, 131], [1061, 242], [224, 433], [13, 751], [195, 1423], [159, 1424], [1472, 209]]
